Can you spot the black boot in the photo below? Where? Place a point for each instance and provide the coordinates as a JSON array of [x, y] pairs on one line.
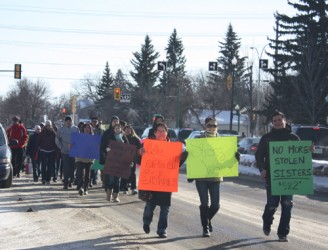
[[212, 211], [204, 220]]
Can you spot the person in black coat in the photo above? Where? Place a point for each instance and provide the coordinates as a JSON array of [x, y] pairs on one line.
[[133, 139], [279, 132], [32, 151]]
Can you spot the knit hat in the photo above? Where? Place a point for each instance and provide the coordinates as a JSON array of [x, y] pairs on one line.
[[67, 118], [48, 123], [115, 118], [15, 118]]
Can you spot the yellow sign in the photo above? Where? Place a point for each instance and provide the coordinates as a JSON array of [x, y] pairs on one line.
[[212, 157]]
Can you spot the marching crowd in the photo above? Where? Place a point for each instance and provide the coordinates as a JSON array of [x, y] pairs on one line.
[[49, 147]]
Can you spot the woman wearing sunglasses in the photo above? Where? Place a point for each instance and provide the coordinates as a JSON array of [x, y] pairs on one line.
[[209, 186]]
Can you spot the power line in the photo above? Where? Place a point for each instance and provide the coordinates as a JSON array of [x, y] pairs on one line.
[[121, 33], [177, 15]]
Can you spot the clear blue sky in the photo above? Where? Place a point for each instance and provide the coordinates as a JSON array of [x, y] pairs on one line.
[[61, 41]]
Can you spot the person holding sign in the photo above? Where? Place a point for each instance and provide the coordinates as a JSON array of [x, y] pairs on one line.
[[279, 132], [209, 186], [159, 198], [112, 183]]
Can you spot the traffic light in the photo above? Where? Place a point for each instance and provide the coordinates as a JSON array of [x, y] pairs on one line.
[[18, 71], [117, 94]]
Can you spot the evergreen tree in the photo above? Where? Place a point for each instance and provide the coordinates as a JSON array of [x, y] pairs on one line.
[[217, 92], [174, 86], [104, 90], [145, 76], [300, 74]]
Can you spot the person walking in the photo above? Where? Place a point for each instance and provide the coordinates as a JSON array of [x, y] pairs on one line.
[[133, 139], [209, 187], [161, 199], [47, 151], [18, 132], [83, 166], [279, 132], [63, 141], [32, 150], [109, 133], [112, 183], [97, 131]]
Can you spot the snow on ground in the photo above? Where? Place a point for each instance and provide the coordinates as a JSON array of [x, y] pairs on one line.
[[247, 166]]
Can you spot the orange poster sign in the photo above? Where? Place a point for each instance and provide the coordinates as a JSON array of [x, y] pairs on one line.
[[159, 169]]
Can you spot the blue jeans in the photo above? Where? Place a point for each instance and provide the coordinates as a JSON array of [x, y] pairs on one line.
[[112, 182], [47, 164], [69, 168], [286, 202], [209, 187], [163, 216]]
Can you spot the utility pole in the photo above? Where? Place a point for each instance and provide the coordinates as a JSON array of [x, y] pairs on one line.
[[259, 56]]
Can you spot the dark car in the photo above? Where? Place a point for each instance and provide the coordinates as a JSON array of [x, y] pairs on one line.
[[6, 169], [184, 133], [139, 130], [248, 145], [319, 137]]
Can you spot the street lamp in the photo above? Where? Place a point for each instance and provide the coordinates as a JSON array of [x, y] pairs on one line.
[[233, 62], [237, 108], [259, 56]]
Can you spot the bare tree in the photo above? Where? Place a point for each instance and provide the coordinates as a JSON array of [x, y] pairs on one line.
[[28, 100]]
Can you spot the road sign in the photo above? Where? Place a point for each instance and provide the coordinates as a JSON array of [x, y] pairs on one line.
[[161, 65], [264, 63], [125, 98], [212, 66]]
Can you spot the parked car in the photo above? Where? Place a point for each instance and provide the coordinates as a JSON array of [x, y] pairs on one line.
[[248, 145], [173, 136], [195, 134], [184, 133], [319, 137], [6, 169], [30, 131], [139, 130]]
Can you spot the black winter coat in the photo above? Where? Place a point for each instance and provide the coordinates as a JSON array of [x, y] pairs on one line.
[[263, 151]]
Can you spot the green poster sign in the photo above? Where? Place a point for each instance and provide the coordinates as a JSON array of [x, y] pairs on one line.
[[291, 167], [212, 157], [96, 166]]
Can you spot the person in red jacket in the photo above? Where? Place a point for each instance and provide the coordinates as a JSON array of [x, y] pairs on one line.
[[18, 132]]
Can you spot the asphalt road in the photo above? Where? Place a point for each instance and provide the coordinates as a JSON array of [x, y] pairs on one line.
[[35, 216]]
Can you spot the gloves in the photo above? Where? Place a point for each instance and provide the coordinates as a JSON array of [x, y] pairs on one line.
[[237, 155]]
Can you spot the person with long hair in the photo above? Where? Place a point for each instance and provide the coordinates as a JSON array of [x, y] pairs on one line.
[[209, 187], [133, 139], [83, 167], [161, 199]]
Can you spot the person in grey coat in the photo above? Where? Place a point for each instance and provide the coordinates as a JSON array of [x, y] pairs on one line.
[[63, 141]]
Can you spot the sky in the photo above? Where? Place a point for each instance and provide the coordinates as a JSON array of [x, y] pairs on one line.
[[61, 42]]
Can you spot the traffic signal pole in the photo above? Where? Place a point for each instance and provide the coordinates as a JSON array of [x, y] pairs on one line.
[[17, 71]]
